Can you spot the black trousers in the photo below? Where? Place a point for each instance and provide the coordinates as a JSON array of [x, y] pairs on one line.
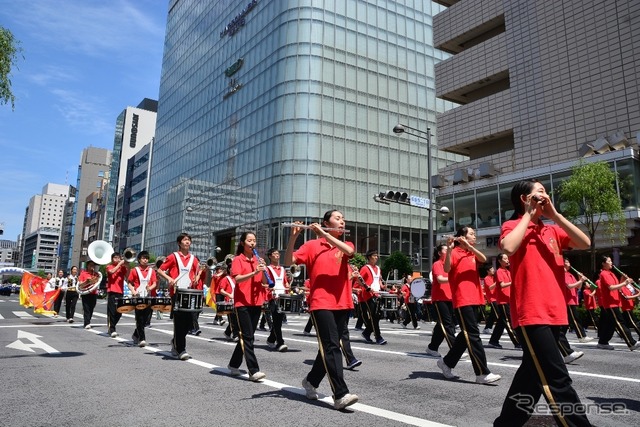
[[57, 304], [371, 318], [88, 305], [248, 318], [70, 303], [232, 325], [360, 313], [563, 342], [574, 320], [492, 316], [276, 317], [611, 320], [468, 339], [182, 324], [329, 324], [112, 314], [444, 329], [309, 325], [195, 326], [631, 321], [141, 321], [503, 321], [542, 372], [411, 315], [594, 319], [345, 343]]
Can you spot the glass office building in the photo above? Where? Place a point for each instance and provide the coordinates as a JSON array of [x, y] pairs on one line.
[[271, 111]]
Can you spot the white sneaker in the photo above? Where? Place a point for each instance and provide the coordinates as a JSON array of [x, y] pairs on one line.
[[446, 371], [605, 347], [464, 356], [283, 348], [222, 322], [487, 331], [234, 371], [344, 401], [573, 356], [432, 353], [258, 376], [635, 346], [309, 389], [487, 379], [88, 327], [417, 327], [114, 334], [306, 334], [585, 339], [184, 356], [142, 343]]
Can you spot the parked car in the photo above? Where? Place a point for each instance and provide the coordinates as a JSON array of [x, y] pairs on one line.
[[15, 288]]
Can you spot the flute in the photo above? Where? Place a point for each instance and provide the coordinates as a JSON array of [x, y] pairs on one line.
[[586, 279], [305, 226], [634, 284]]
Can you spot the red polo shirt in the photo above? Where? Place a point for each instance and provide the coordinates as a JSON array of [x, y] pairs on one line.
[[608, 298], [589, 297], [489, 293], [330, 287], [570, 295], [250, 292], [502, 295], [134, 279], [170, 266], [627, 304], [464, 279], [440, 291], [115, 281], [537, 271]]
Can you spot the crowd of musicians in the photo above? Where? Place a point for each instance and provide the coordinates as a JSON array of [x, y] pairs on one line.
[[532, 295]]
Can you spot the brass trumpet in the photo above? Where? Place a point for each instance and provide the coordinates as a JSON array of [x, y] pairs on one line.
[[129, 255], [294, 270]]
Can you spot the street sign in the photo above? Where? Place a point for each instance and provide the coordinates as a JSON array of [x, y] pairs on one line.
[[420, 202]]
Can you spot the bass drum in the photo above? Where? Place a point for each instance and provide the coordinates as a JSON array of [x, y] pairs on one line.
[[418, 288]]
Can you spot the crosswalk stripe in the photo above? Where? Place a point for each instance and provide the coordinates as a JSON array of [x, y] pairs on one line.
[[23, 314]]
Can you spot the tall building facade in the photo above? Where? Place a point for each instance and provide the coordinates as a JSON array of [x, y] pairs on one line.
[[135, 128], [93, 175], [540, 86], [292, 106], [42, 228]]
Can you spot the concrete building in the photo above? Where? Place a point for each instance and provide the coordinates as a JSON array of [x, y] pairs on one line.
[[7, 249], [540, 85], [293, 105], [135, 128], [93, 175]]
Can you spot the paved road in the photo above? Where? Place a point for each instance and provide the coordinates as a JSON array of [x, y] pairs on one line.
[[55, 373]]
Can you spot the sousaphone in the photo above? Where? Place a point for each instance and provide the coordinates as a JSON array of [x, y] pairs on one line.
[[100, 252]]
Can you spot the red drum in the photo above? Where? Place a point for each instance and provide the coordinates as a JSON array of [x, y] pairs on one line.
[[290, 303], [388, 302], [125, 305], [188, 300], [224, 307]]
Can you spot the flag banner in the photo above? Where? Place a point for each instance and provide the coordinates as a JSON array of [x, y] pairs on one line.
[[34, 293], [210, 300]]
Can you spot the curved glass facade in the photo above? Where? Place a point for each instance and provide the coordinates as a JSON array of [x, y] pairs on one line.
[[271, 111]]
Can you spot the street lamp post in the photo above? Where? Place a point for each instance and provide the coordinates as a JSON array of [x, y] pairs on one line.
[[399, 128]]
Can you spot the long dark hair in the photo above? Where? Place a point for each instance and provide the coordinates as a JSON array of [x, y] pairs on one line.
[[243, 237], [522, 188], [462, 232], [436, 253], [327, 216]]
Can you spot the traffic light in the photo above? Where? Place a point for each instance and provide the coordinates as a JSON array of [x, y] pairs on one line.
[[415, 259], [395, 196]]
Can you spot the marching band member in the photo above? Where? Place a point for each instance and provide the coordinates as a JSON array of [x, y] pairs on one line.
[[371, 277], [410, 304], [180, 270], [571, 294], [198, 283], [610, 315], [248, 296], [629, 296], [538, 307], [142, 282], [307, 328], [281, 287], [490, 296], [226, 288], [216, 280], [72, 294], [60, 282], [461, 262], [441, 300], [571, 297], [88, 300], [330, 301], [502, 295], [116, 273]]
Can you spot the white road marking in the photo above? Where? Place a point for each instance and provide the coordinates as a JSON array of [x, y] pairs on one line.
[[23, 314]]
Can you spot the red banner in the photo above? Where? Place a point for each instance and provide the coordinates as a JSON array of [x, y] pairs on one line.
[[34, 293]]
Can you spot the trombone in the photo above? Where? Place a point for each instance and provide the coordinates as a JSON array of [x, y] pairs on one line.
[[306, 227], [634, 284]]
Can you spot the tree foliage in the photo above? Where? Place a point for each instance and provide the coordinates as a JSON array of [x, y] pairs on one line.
[[397, 260], [589, 197], [358, 260], [10, 50]]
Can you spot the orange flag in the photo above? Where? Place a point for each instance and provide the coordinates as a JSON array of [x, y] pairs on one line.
[[33, 294]]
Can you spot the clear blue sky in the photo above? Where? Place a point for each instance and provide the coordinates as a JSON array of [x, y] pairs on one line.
[[84, 62]]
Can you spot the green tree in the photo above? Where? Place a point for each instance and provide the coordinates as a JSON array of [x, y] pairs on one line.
[[397, 260], [9, 51], [589, 198], [358, 260]]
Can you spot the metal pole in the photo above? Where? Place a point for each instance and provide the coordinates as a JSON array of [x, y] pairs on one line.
[[431, 204]]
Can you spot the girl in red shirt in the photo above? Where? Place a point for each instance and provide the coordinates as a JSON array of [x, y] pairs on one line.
[[489, 294], [538, 307], [248, 296], [441, 300], [590, 301], [629, 296], [502, 293], [462, 261], [610, 315], [330, 301]]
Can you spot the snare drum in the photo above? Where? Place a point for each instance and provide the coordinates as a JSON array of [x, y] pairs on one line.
[[290, 303], [158, 303], [125, 305], [141, 303], [188, 300], [224, 307], [388, 301]]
